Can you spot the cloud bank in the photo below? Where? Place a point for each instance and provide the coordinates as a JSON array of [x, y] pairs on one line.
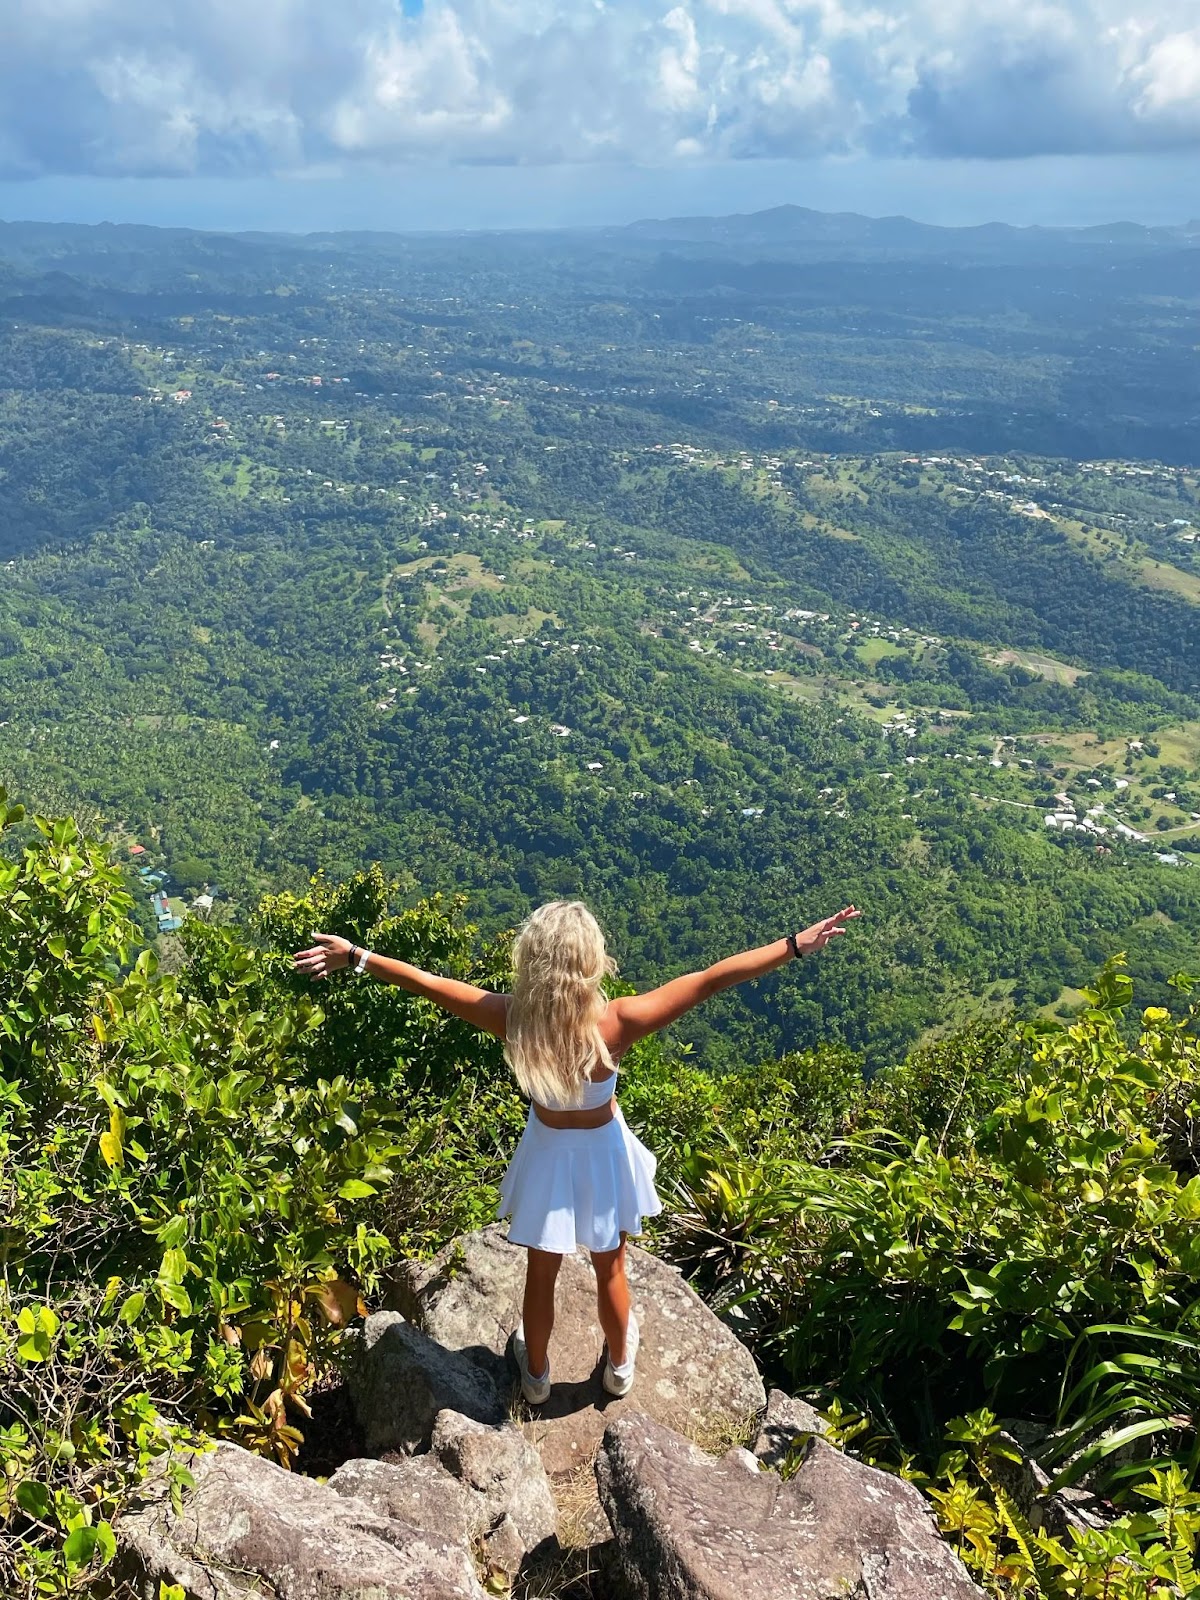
[[240, 87]]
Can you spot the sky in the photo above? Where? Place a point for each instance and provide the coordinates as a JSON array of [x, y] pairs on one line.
[[417, 114]]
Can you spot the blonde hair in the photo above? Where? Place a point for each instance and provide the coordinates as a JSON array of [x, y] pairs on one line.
[[554, 1011]]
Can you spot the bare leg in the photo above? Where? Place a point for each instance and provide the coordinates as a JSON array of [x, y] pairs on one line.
[[541, 1271], [612, 1299]]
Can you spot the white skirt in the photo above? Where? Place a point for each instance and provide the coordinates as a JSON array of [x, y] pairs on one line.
[[578, 1186]]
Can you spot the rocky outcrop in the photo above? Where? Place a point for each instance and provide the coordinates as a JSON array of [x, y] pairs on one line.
[[1027, 1484], [693, 1373], [249, 1528], [785, 1425], [401, 1378], [417, 1490], [465, 1492], [689, 1527], [483, 1487]]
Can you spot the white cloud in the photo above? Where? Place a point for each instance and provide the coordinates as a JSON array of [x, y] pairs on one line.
[[162, 86]]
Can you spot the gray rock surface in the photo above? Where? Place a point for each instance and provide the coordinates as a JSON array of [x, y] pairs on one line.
[[688, 1527], [481, 1487], [692, 1371], [417, 1490], [785, 1420], [1028, 1485], [400, 1379], [249, 1528], [503, 1469]]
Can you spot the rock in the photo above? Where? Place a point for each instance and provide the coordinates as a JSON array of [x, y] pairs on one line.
[[1076, 1506], [504, 1547], [477, 1486], [418, 1490], [786, 1419], [502, 1468], [249, 1528], [400, 1379], [693, 1374], [687, 1526], [1073, 1509], [1021, 1478]]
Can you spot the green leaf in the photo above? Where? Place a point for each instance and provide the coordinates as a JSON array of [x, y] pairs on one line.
[[80, 1546], [34, 1500], [173, 1232], [133, 1307], [176, 1296], [37, 1330], [174, 1266], [356, 1189], [1105, 1447]]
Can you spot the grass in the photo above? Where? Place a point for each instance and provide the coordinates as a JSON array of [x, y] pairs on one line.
[[815, 524], [1142, 569], [717, 1432], [1170, 579], [523, 623], [1065, 1007], [869, 651], [1044, 666]]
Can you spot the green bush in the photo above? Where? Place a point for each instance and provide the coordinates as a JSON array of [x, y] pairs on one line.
[[921, 1273]]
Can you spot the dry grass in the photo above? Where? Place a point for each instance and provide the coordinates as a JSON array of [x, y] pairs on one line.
[[577, 1502], [716, 1432], [563, 1574], [568, 1569]]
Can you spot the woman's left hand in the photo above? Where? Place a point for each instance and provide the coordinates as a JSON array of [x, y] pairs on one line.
[[819, 935], [328, 954]]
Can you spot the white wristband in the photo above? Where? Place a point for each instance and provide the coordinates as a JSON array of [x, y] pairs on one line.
[[360, 966]]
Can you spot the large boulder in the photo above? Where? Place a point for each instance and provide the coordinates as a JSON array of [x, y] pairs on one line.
[[687, 1526], [693, 1374], [414, 1489], [249, 1528], [478, 1486], [502, 1470], [400, 1379]]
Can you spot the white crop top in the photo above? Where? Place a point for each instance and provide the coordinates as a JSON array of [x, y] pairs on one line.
[[596, 1092]]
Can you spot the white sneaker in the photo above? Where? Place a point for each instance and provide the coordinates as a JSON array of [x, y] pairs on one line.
[[619, 1380], [535, 1390]]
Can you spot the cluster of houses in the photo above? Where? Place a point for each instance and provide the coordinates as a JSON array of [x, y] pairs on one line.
[[1066, 819], [153, 879]]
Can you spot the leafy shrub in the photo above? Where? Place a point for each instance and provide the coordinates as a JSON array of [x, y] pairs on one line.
[[1147, 1554], [921, 1275], [160, 1137]]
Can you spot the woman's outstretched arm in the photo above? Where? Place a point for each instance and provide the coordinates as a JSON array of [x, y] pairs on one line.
[[480, 1007], [640, 1014]]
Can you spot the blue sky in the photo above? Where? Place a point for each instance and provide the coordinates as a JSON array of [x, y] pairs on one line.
[[505, 113]]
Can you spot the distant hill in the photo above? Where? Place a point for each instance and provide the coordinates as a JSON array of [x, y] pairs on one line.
[[791, 225]]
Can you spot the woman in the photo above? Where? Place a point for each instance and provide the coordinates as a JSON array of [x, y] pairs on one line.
[[579, 1176]]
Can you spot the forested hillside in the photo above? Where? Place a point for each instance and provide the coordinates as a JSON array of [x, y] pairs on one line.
[[720, 571], [718, 580]]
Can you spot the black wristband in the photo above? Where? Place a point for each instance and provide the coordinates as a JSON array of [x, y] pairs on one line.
[[793, 946], [350, 958]]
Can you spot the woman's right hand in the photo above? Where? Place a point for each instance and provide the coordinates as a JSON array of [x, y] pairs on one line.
[[330, 953]]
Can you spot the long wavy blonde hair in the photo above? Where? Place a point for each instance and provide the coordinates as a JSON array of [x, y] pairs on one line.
[[553, 1035]]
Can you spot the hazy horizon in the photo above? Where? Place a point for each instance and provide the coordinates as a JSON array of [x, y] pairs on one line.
[[1062, 191]]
